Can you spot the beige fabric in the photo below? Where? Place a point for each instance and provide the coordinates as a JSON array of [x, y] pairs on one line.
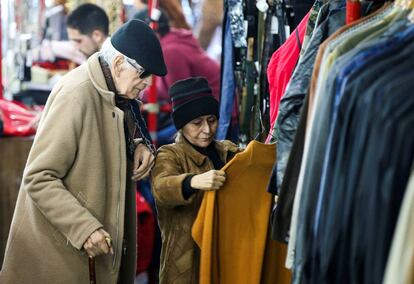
[[174, 162], [74, 182], [400, 265]]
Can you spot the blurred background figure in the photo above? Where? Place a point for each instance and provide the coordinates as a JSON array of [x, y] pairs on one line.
[[204, 17], [184, 58], [88, 28], [85, 30], [55, 21], [208, 28]]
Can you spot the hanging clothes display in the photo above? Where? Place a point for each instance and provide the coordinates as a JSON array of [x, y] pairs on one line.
[[315, 181], [251, 35], [233, 251], [357, 107], [330, 18], [281, 66], [300, 9], [236, 19], [283, 212], [228, 87]]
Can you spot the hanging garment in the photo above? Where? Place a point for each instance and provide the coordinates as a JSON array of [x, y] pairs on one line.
[[391, 178], [332, 17], [320, 73], [385, 171], [228, 87], [315, 139], [380, 185], [356, 59], [231, 228], [334, 260], [401, 258], [312, 23], [281, 66], [282, 211], [236, 19]]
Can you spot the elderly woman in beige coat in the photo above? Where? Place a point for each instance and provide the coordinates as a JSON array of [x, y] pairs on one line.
[[77, 197], [183, 171]]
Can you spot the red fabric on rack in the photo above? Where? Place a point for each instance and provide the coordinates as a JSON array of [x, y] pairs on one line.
[[145, 233], [353, 11], [281, 67], [17, 119]]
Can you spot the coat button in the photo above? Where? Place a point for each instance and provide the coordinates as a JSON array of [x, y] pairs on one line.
[[113, 114]]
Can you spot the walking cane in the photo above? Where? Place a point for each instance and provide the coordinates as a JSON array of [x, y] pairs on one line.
[[92, 275]]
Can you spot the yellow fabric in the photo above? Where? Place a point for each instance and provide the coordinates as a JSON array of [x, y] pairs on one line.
[[231, 228]]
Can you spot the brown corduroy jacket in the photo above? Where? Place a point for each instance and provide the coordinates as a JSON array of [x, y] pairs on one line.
[[174, 162]]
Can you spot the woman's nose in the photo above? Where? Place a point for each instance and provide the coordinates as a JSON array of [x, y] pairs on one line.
[[206, 127]]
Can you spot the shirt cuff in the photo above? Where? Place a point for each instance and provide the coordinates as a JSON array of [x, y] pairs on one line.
[[187, 189]]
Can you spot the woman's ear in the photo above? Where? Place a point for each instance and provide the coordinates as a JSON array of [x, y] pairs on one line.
[[117, 65]]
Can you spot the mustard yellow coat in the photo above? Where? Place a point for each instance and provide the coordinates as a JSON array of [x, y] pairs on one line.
[[232, 224]]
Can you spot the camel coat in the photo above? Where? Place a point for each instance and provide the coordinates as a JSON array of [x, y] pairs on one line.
[[74, 182], [180, 255]]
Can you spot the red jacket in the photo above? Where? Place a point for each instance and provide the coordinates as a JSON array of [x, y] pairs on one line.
[[281, 67]]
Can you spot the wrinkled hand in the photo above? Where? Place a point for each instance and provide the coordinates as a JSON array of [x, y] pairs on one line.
[[143, 162], [211, 180], [96, 244]]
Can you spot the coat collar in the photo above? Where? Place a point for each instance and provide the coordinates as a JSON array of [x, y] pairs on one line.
[[199, 159], [98, 79]]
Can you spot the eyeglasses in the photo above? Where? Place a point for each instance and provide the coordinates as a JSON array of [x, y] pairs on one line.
[[142, 73]]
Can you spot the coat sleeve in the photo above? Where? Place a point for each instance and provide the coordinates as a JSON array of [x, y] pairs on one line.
[[167, 179], [51, 157]]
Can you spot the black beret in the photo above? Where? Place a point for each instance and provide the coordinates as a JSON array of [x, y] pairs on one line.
[[191, 98], [137, 40]]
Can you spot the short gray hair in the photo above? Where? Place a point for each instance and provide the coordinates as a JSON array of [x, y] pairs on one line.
[[108, 52]]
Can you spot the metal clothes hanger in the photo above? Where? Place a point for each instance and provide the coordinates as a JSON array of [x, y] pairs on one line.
[[264, 129]]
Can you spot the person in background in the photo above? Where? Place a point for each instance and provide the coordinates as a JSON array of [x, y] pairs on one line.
[[184, 58], [55, 21], [208, 28], [88, 27], [183, 171], [77, 197]]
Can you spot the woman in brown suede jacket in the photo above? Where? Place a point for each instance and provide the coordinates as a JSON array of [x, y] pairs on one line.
[[183, 171]]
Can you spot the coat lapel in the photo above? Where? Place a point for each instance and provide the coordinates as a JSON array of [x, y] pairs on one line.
[[199, 159]]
